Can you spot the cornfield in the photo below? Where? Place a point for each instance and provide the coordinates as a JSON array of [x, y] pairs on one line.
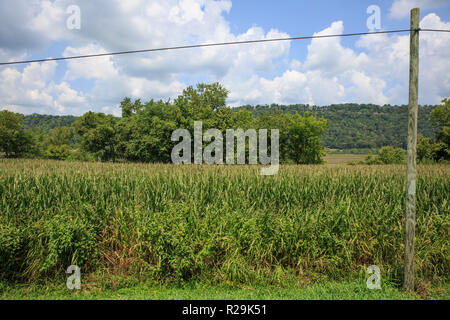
[[220, 224]]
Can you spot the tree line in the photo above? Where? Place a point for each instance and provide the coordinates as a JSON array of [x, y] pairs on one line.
[[359, 126], [351, 128], [143, 132]]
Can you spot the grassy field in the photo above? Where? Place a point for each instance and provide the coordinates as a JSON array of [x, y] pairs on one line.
[[354, 290], [338, 159], [305, 229]]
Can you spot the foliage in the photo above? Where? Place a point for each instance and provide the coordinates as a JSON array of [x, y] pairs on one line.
[[119, 288], [58, 152], [370, 159], [143, 132], [391, 155], [386, 155], [360, 126], [14, 139], [57, 143], [437, 149], [303, 134], [98, 134], [440, 118], [47, 122], [427, 150], [350, 126], [217, 224]]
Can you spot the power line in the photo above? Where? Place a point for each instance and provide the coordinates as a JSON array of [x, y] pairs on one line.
[[435, 30], [214, 45]]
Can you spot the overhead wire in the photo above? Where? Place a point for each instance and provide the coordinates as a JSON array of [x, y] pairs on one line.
[[215, 45]]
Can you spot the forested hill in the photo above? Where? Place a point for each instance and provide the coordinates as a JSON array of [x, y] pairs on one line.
[[357, 125], [349, 125], [47, 122]]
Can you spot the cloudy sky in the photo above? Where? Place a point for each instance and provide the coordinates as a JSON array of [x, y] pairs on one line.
[[366, 69]]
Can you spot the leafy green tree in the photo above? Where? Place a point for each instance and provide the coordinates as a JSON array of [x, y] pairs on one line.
[[427, 150], [304, 146], [145, 131], [40, 142], [211, 96], [58, 143], [144, 135], [61, 135], [242, 119], [201, 103], [391, 155], [299, 135], [128, 108], [14, 139], [280, 121], [370, 159], [440, 116], [440, 120], [98, 134], [58, 152]]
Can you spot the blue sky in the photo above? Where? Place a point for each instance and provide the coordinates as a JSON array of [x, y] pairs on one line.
[[368, 69]]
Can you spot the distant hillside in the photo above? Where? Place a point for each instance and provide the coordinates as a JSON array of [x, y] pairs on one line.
[[47, 122], [357, 125], [350, 125]]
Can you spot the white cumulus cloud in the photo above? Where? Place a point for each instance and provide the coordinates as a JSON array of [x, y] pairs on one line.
[[401, 8], [375, 70]]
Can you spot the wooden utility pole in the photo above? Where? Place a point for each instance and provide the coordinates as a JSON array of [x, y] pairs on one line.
[[410, 213]]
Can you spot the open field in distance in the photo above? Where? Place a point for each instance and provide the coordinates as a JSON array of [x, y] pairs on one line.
[[335, 159]]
